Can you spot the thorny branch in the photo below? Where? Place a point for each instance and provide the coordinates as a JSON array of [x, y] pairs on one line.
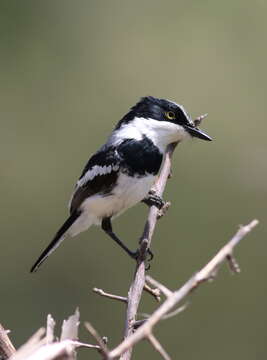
[[206, 273], [43, 348]]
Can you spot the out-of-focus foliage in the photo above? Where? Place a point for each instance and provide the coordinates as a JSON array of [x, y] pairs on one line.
[[69, 70]]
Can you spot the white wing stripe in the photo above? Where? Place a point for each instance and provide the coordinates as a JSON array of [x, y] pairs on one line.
[[95, 171]]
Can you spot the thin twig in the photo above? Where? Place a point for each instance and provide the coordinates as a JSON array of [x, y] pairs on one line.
[[225, 251], [154, 292], [110, 296], [99, 340], [6, 347], [203, 275], [158, 347], [167, 292]]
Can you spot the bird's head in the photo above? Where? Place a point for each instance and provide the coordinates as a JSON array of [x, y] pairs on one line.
[[165, 117]]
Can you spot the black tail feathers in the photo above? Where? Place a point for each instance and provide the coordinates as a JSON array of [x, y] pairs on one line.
[[59, 237]]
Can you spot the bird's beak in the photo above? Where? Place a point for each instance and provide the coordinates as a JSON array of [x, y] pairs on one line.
[[196, 132]]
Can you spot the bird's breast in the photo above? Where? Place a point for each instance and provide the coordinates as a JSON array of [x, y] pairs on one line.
[[128, 191]]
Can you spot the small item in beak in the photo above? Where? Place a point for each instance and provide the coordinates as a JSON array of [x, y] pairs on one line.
[[198, 120]]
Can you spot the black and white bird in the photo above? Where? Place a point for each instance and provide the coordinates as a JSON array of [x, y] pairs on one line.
[[121, 173]]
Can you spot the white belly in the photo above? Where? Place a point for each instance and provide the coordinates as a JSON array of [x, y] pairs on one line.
[[128, 192], [131, 191]]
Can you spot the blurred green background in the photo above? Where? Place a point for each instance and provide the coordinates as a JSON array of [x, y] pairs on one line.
[[69, 71]]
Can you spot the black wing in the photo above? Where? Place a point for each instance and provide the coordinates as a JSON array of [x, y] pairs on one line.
[[98, 177]]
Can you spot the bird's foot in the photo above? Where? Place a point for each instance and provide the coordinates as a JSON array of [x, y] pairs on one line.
[[153, 199], [147, 257]]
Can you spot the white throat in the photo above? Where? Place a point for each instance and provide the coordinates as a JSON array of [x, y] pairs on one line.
[[161, 133]]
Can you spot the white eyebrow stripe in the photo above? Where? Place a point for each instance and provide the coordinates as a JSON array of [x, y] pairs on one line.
[[97, 170], [183, 110]]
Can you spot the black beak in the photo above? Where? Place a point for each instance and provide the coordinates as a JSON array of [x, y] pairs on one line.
[[196, 132]]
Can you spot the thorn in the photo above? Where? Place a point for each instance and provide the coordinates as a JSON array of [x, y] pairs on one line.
[[154, 292], [233, 264], [163, 210]]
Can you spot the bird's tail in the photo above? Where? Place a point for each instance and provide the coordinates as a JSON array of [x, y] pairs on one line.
[[59, 237]]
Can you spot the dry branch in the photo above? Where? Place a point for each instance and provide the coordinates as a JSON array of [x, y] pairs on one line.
[[41, 346], [70, 327], [110, 296], [138, 283], [6, 347], [204, 274]]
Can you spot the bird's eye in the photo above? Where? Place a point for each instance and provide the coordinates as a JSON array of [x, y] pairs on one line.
[[170, 115]]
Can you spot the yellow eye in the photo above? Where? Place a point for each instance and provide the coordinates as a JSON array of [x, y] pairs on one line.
[[170, 115]]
